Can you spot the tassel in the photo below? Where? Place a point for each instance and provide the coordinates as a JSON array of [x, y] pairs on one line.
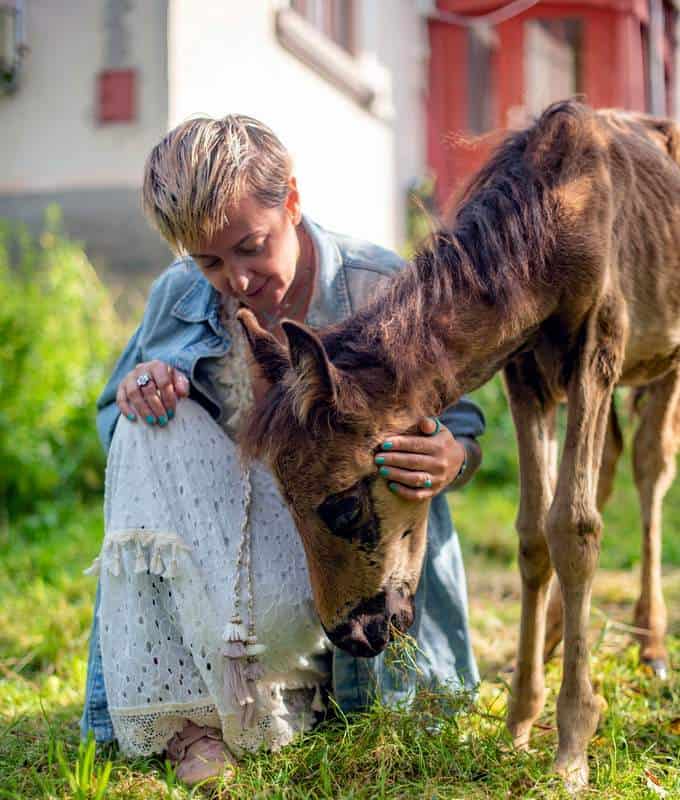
[[94, 568], [236, 631], [156, 566], [114, 563], [317, 703], [253, 649], [172, 569], [248, 716], [140, 559]]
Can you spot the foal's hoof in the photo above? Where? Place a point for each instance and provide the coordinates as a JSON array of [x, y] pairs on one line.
[[659, 667], [573, 771]]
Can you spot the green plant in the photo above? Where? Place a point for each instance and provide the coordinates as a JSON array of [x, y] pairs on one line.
[[58, 337], [85, 781]]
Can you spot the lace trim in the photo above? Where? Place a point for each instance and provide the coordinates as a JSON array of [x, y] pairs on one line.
[[155, 552]]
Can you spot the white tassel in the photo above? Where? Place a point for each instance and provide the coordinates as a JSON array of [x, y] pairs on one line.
[[156, 566], [317, 703], [94, 568], [253, 649], [140, 559], [114, 564], [172, 570], [236, 631]]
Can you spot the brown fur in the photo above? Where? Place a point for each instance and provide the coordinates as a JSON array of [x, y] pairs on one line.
[[561, 268]]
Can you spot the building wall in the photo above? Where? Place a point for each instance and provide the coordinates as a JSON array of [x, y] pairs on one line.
[[53, 148], [353, 165]]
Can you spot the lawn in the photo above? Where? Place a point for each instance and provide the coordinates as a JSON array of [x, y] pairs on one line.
[[44, 621]]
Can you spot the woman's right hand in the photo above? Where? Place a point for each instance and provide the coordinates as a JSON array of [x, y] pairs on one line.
[[157, 400]]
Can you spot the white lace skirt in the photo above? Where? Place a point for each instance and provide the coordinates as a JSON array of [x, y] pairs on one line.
[[173, 511]]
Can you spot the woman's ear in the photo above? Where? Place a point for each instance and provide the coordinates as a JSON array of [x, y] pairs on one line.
[[292, 203]]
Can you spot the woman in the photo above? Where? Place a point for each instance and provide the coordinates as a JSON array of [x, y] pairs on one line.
[[191, 540]]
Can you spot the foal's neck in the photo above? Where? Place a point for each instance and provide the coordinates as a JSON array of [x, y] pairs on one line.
[[432, 337]]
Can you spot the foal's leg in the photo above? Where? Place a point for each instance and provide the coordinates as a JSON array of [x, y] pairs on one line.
[[613, 446], [574, 530], [654, 451], [534, 422]]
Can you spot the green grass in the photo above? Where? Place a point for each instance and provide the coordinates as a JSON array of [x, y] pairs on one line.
[[45, 612]]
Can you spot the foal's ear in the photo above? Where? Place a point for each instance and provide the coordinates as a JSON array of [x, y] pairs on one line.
[[316, 378], [269, 354]]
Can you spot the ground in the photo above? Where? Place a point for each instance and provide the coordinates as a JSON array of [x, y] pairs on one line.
[[44, 622]]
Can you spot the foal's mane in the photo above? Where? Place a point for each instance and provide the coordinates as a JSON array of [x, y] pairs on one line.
[[500, 242]]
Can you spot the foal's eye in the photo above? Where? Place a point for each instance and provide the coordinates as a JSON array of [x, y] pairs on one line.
[[341, 512]]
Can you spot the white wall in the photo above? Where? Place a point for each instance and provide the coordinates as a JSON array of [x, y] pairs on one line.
[[224, 57], [49, 137]]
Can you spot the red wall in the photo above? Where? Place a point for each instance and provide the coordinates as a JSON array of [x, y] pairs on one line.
[[612, 75]]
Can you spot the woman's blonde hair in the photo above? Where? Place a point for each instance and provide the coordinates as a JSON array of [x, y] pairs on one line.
[[203, 167]]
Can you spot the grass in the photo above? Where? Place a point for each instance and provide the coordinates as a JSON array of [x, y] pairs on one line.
[[386, 753]]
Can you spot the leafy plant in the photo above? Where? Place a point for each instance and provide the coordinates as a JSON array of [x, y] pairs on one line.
[[85, 780], [58, 336]]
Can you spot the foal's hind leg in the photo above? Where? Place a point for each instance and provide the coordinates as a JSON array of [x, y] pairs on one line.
[[574, 530], [533, 415], [654, 451], [612, 451]]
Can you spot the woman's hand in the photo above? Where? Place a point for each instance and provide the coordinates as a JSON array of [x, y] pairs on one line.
[[157, 400], [419, 467]]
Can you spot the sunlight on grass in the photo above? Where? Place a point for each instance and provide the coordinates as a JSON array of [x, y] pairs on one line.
[[386, 753]]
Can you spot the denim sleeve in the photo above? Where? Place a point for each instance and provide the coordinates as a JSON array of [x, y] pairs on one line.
[[464, 418], [154, 338]]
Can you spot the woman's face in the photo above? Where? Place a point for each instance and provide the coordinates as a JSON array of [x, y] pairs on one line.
[[253, 258]]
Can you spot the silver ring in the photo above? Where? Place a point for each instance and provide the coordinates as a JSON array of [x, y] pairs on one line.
[[427, 483], [143, 379]]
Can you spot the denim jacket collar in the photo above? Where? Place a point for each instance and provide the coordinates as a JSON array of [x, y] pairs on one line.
[[330, 302]]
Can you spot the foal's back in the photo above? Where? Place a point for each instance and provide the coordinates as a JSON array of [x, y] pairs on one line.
[[616, 182]]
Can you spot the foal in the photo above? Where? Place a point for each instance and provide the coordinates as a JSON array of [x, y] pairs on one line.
[[561, 268]]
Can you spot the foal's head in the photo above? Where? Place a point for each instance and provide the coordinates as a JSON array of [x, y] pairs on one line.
[[318, 430]]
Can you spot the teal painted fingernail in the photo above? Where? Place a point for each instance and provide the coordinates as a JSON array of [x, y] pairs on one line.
[[387, 445], [384, 471], [392, 486], [380, 460], [151, 420], [162, 420], [131, 417], [171, 413]]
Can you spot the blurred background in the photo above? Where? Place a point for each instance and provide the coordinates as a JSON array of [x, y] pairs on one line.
[[387, 106]]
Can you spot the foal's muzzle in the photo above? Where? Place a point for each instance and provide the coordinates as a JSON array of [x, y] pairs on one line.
[[367, 631]]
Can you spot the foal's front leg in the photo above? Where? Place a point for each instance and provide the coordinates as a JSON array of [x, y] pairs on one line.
[[534, 418], [574, 530]]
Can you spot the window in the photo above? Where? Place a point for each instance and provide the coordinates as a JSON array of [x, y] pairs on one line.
[[12, 46], [481, 99], [320, 33], [333, 18], [552, 61]]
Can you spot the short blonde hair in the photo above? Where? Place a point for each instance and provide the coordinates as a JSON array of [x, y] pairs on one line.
[[203, 167]]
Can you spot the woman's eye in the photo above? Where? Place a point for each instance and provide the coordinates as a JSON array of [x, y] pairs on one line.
[[252, 251], [207, 263]]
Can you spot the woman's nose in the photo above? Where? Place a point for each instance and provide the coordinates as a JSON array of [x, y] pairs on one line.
[[239, 280]]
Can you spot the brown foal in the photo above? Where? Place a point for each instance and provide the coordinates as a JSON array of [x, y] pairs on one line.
[[562, 268]]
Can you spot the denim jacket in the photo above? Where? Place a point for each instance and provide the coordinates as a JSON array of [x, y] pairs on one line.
[[181, 326]]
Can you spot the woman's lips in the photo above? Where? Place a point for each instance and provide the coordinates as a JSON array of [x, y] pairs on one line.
[[258, 290]]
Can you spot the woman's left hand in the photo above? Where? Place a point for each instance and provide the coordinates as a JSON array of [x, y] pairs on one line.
[[408, 463]]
